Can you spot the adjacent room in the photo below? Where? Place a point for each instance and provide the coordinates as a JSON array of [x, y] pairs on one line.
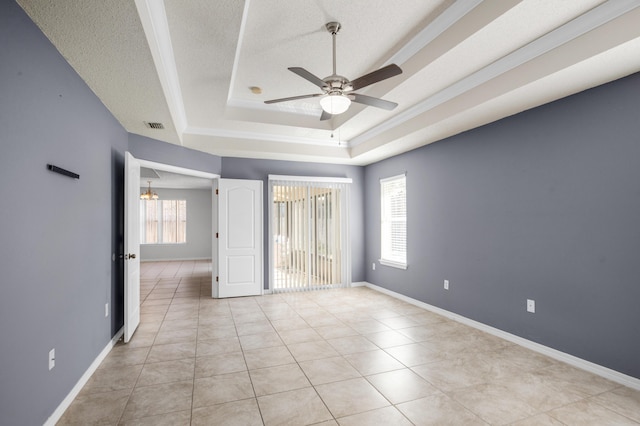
[[320, 212]]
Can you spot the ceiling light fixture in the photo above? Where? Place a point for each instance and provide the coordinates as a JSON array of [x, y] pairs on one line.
[[335, 103], [149, 195], [338, 91]]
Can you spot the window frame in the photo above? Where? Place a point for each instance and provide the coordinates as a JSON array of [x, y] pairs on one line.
[[160, 222], [386, 233]]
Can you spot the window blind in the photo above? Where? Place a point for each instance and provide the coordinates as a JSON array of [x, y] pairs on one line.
[[393, 196], [308, 232]]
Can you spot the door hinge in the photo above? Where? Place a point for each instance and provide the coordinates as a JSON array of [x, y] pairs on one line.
[[216, 279], [216, 192], [217, 235]]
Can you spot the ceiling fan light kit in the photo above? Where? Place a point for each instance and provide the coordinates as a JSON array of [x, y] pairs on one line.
[[337, 90], [335, 104]]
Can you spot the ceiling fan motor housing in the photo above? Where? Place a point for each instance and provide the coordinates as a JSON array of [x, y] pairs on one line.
[[337, 83], [333, 27]]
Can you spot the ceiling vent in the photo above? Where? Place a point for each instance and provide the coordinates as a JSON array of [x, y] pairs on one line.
[[154, 125]]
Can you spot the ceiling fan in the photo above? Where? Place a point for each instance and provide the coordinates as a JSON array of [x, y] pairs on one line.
[[337, 91]]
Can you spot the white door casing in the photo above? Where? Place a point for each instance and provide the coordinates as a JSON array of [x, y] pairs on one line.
[[240, 238], [214, 243], [131, 246]]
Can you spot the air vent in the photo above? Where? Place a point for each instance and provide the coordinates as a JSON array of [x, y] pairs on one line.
[[154, 125]]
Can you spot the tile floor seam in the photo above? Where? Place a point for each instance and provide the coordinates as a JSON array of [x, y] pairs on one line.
[[133, 388], [255, 395], [607, 407], [306, 375], [195, 360], [253, 388]]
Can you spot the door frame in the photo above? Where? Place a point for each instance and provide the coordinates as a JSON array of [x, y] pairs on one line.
[[183, 171], [345, 214], [131, 246]]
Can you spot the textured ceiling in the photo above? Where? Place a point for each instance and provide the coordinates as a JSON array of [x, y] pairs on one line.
[[190, 63]]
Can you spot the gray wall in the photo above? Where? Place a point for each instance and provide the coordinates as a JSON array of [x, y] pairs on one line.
[[245, 168], [57, 233], [542, 205], [149, 149], [199, 223]]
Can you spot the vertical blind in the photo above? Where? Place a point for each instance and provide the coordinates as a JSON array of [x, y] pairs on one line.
[[308, 231], [393, 195]]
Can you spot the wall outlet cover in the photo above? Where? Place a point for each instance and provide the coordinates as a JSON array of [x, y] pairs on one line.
[[446, 284], [52, 358], [531, 306]]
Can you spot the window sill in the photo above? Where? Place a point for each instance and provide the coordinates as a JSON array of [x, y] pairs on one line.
[[393, 264]]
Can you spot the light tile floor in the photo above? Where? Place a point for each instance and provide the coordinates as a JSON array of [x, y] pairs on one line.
[[347, 356]]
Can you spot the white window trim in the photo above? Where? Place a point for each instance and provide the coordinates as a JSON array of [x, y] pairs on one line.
[[160, 230], [310, 179], [393, 264], [390, 262]]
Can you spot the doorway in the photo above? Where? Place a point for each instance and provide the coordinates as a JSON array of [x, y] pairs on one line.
[[132, 234], [309, 233]]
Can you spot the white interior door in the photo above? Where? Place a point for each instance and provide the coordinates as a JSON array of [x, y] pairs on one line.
[[240, 241], [131, 246]]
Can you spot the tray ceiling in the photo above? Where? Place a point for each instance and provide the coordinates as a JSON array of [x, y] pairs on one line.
[[190, 65]]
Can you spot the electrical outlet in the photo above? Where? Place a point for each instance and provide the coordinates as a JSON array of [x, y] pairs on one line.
[[373, 266], [531, 306], [106, 309], [446, 284], [52, 358]]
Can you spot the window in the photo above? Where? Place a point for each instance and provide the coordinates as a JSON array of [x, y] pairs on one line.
[[393, 218], [163, 221]]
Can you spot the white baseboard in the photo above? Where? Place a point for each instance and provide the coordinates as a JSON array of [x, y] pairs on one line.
[[57, 414], [359, 284], [607, 373]]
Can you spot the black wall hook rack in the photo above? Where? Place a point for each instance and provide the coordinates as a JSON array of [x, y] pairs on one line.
[[62, 171]]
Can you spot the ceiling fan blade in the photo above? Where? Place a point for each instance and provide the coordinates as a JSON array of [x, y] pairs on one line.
[[308, 76], [325, 116], [374, 102], [376, 76], [293, 98]]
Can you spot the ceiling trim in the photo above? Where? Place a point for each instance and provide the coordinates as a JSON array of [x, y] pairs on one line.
[[156, 29], [236, 59], [176, 169], [439, 25], [588, 21], [241, 134]]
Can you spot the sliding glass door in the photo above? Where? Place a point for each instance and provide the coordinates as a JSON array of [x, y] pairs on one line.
[[309, 236]]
